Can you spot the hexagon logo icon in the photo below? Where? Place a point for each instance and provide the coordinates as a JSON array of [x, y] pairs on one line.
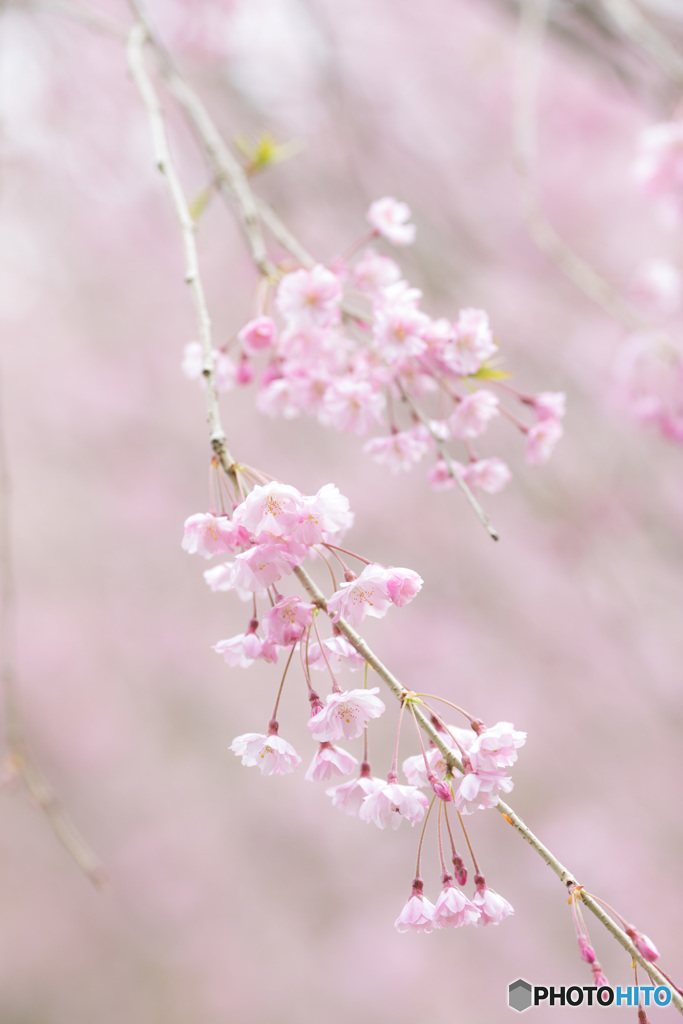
[[519, 995]]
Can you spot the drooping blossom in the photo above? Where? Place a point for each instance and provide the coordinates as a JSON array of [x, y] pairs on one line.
[[260, 567], [207, 534], [398, 331], [271, 754], [287, 620], [271, 508], [310, 297], [550, 405], [479, 790], [330, 761], [374, 272], [322, 516], [346, 714], [353, 406], [659, 286], [473, 342], [224, 369], [390, 218], [349, 796], [490, 475], [497, 747], [371, 593], [418, 913], [541, 441], [453, 909], [493, 907], [243, 650], [337, 651], [473, 414], [257, 335], [393, 802], [399, 451]]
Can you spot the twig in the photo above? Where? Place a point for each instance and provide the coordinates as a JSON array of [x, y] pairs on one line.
[[136, 40], [640, 31]]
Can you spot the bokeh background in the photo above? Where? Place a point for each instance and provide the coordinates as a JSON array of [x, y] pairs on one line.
[[237, 897]]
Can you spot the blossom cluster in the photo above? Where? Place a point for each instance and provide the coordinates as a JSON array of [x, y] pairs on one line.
[[352, 347], [270, 532]]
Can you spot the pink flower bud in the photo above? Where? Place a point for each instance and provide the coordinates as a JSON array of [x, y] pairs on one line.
[[245, 371], [645, 946], [586, 950], [257, 335], [441, 789]]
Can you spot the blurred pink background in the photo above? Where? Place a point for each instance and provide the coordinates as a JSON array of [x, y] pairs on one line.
[[237, 897]]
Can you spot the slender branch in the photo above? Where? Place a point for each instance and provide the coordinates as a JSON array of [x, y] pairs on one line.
[[635, 26]]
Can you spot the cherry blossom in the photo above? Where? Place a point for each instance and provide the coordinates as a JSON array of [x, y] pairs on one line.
[[338, 651], [273, 508], [473, 414], [242, 650], [310, 297], [645, 946], [453, 909], [374, 272], [417, 915], [490, 475], [541, 441], [330, 761], [399, 451], [392, 803], [479, 790], [389, 218], [493, 908], [207, 534], [550, 405], [372, 593], [349, 796], [257, 335], [496, 748], [272, 754], [346, 714], [352, 405], [287, 620], [473, 343]]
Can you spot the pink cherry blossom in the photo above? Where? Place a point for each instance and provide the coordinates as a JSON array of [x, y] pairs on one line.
[[440, 476], [399, 451], [310, 297], [402, 585], [274, 508], [493, 908], [257, 335], [370, 593], [260, 567], [241, 650], [473, 343], [287, 620], [490, 475], [496, 748], [398, 332], [479, 790], [417, 915], [322, 516], [373, 272], [352, 406], [473, 414], [550, 405], [330, 761], [338, 651], [393, 802], [346, 714], [207, 534], [586, 950], [245, 371], [541, 441], [416, 771], [349, 796], [272, 754], [389, 218], [659, 167], [453, 909]]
